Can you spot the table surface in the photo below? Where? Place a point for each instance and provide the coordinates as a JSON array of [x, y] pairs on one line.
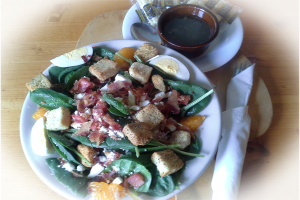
[[33, 32]]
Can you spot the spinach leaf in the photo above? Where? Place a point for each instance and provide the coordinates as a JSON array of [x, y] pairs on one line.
[[176, 177], [59, 137], [113, 144], [84, 71], [143, 159], [103, 52], [116, 112], [128, 167], [64, 152], [69, 75], [77, 185], [194, 147], [160, 186], [50, 99], [195, 91], [54, 73], [63, 74], [115, 103], [82, 139], [108, 143], [121, 120]]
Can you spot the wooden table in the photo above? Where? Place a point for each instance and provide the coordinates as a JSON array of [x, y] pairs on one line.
[[33, 32]]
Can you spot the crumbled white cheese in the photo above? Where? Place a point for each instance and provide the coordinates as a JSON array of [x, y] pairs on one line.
[[115, 168], [131, 98], [143, 98], [111, 133], [144, 103], [95, 170], [102, 158], [120, 77], [120, 134], [79, 96], [134, 107], [104, 88], [171, 127], [103, 129], [118, 180], [80, 168], [76, 125], [68, 166], [88, 111]]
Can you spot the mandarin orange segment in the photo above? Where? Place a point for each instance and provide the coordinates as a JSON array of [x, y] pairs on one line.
[[105, 191], [128, 53], [39, 113], [192, 122]]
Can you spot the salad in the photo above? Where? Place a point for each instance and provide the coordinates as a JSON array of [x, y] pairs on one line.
[[121, 125]]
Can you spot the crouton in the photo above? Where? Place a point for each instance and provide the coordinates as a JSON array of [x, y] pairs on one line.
[[167, 162], [183, 138], [58, 119], [146, 51], [88, 153], [151, 115], [138, 133], [104, 69], [40, 81], [140, 72], [158, 82]]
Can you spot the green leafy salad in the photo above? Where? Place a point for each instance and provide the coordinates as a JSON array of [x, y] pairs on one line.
[[121, 125]]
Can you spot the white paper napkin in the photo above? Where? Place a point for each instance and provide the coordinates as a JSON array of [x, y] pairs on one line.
[[235, 133]]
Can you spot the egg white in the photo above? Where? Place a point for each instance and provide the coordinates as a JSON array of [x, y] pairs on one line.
[[183, 73], [64, 61]]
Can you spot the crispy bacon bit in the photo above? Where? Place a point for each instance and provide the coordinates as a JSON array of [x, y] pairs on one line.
[[90, 99], [84, 58], [98, 137], [136, 180], [116, 86], [109, 176], [84, 129], [173, 103], [183, 99], [114, 125], [82, 85]]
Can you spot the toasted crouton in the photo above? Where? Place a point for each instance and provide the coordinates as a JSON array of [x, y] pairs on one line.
[[58, 119], [40, 81], [140, 72], [138, 133], [183, 138], [158, 82], [167, 162], [88, 153], [151, 115], [104, 69], [146, 51]]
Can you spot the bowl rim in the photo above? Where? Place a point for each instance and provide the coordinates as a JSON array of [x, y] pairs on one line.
[[188, 5]]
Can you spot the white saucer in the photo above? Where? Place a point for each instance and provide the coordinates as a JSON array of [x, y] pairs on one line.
[[221, 50]]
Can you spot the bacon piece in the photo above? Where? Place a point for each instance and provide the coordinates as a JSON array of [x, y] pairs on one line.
[[90, 99], [114, 125], [173, 103], [116, 86], [136, 180], [84, 129], [98, 113], [80, 105], [97, 124], [109, 175], [183, 99], [84, 58], [98, 137], [82, 85]]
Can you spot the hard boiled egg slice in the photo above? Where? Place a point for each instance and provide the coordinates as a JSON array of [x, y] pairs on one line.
[[73, 58], [40, 142], [172, 67]]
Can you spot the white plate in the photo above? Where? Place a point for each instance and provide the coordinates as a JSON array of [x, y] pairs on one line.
[[221, 50], [209, 137]]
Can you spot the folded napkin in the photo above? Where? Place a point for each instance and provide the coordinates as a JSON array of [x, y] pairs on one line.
[[235, 133]]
